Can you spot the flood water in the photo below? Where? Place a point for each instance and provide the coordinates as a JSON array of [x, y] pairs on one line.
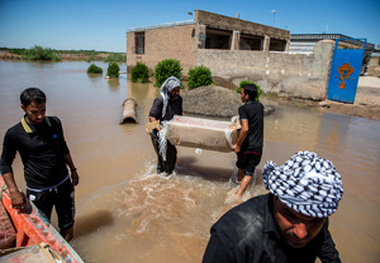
[[127, 213]]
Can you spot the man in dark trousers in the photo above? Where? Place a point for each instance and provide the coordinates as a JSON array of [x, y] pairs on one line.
[[41, 144], [249, 145], [290, 224], [164, 107]]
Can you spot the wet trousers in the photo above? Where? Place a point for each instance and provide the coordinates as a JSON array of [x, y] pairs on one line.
[[171, 155]]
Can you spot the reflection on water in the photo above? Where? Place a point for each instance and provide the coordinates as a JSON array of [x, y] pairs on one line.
[[293, 125], [126, 212], [354, 145]]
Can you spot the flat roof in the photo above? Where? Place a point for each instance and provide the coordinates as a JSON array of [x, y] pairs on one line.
[[173, 24], [317, 37]]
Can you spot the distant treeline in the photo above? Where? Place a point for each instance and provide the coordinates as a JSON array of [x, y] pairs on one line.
[[48, 54]]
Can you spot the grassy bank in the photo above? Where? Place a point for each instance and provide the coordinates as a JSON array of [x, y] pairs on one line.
[[38, 53]]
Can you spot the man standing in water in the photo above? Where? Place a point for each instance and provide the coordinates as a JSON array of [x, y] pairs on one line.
[[290, 224], [41, 144], [249, 144], [164, 108]]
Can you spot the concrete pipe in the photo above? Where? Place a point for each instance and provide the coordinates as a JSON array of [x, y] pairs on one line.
[[129, 111]]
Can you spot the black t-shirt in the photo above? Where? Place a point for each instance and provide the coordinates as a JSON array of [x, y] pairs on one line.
[[42, 148], [174, 108], [253, 111]]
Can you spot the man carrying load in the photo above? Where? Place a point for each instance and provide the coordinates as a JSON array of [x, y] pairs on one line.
[[163, 109], [249, 145]]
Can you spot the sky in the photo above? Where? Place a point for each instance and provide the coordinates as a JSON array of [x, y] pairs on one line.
[[102, 25]]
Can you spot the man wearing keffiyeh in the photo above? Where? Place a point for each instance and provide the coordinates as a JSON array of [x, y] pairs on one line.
[[168, 104], [289, 224]]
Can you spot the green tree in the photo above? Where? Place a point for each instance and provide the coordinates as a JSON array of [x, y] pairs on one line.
[[40, 53], [113, 70], [248, 81], [165, 69], [93, 69], [199, 76], [140, 73]]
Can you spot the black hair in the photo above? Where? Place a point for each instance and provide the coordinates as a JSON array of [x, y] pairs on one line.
[[251, 90], [32, 95]]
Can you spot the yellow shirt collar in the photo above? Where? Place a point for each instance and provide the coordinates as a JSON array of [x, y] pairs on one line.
[[27, 127]]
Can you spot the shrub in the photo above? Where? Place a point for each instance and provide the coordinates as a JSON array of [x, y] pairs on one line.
[[247, 81], [17, 51], [140, 73], [93, 69], [165, 69], [113, 70], [40, 53], [116, 57], [199, 76]]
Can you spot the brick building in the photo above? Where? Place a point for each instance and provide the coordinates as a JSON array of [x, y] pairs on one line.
[[183, 40]]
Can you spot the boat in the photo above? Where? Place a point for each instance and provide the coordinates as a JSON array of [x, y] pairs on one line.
[[34, 232]]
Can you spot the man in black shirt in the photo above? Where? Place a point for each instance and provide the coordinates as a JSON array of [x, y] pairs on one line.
[[249, 144], [41, 144], [290, 224], [164, 107]]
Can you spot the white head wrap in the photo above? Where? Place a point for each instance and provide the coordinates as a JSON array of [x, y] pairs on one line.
[[307, 183], [169, 84]]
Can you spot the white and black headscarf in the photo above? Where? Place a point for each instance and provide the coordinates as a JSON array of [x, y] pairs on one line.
[[169, 84], [307, 183]]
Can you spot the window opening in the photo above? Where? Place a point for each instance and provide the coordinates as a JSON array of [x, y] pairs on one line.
[[140, 42]]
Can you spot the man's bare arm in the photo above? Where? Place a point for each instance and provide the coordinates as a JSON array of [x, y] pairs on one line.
[[17, 198], [242, 135]]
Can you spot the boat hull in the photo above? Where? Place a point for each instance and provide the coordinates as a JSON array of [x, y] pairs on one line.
[[32, 228]]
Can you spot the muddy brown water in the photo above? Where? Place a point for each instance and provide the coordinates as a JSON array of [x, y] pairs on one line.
[[127, 213]]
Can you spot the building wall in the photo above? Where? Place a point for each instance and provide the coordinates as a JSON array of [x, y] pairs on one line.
[[179, 42], [284, 74], [374, 67], [288, 75]]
